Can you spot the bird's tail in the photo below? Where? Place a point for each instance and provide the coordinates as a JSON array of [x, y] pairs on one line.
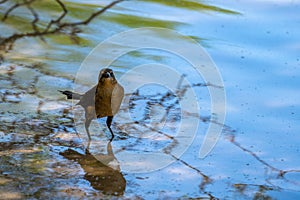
[[71, 95]]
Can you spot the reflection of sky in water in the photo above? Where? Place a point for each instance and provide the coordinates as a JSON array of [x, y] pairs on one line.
[[260, 65], [258, 55]]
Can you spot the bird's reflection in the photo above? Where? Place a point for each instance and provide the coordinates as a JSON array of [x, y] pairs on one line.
[[102, 171]]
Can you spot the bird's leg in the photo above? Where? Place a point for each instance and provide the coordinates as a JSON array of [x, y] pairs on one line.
[[88, 145], [89, 116], [87, 125], [108, 124]]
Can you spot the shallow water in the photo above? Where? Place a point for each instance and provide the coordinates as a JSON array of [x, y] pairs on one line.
[[255, 46]]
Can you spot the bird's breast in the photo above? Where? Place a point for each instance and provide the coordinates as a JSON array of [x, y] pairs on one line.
[[103, 101]]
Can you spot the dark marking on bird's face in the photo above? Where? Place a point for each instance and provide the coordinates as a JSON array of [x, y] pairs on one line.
[[105, 75]]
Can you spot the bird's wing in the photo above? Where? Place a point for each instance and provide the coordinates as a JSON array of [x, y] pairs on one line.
[[88, 99], [117, 97]]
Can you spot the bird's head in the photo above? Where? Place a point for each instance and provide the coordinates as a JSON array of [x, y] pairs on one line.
[[106, 75]]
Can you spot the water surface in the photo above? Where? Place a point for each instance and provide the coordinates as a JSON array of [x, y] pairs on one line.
[[255, 45]]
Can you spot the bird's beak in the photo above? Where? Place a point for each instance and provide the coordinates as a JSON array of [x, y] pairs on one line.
[[106, 75]]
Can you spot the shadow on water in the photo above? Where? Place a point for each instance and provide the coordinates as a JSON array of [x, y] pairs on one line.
[[104, 176]]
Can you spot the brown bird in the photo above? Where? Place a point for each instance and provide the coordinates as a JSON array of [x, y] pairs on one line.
[[102, 100]]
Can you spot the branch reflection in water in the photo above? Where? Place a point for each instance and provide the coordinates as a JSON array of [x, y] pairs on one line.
[[104, 176]]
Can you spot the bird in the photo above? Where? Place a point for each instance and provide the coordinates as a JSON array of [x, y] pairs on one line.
[[102, 100]]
